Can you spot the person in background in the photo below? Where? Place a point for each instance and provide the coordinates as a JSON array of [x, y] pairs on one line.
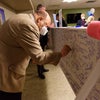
[[43, 42], [41, 7], [81, 22], [99, 19], [90, 17], [19, 38], [64, 23]]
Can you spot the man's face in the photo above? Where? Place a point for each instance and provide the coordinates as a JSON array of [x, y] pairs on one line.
[[44, 22], [43, 19], [82, 16], [41, 22]]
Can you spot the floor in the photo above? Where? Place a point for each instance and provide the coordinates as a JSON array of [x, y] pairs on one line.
[[54, 87]]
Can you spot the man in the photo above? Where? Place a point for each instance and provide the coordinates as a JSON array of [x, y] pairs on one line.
[[64, 23], [19, 42], [41, 7], [43, 43], [81, 22]]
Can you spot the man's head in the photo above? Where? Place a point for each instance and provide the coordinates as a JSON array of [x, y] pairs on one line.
[[42, 19], [57, 16], [41, 7], [82, 16]]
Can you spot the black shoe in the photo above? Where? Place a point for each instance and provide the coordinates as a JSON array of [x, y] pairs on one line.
[[41, 76], [45, 70]]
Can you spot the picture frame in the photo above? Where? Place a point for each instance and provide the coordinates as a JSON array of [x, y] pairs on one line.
[[2, 16]]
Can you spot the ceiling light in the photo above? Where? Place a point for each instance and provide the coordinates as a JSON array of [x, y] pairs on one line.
[[69, 1]]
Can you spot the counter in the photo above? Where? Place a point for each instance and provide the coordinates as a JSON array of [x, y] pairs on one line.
[[79, 63]]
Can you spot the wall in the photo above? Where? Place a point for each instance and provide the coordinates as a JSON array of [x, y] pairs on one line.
[[81, 10], [97, 13], [8, 12], [84, 10]]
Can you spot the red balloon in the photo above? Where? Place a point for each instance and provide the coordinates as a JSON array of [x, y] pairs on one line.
[[93, 29]]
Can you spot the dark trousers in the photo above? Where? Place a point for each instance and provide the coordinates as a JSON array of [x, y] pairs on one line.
[[43, 43], [40, 69], [10, 96]]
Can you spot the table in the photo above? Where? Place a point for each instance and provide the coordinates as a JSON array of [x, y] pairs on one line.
[[79, 63]]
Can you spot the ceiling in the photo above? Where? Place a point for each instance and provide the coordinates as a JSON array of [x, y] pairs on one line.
[[58, 4], [25, 5], [17, 5]]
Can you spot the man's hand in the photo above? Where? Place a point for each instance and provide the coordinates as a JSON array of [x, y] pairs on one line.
[[65, 50]]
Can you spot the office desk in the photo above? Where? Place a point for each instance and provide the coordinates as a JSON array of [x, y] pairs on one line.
[[79, 63]]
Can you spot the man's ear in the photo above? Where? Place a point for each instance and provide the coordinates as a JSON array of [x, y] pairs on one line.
[[39, 18], [39, 21]]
